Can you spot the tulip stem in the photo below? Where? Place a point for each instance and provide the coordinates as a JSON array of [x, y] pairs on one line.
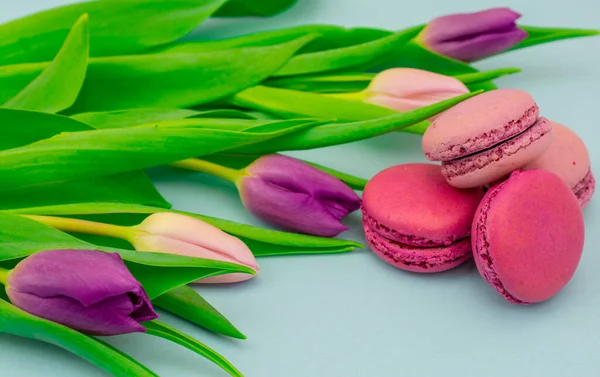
[[3, 275], [210, 168], [83, 226]]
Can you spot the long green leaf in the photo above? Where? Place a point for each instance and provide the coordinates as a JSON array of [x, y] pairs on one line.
[[361, 55], [162, 330], [186, 303], [286, 243], [57, 87], [341, 133], [76, 155], [162, 80], [116, 27], [131, 187], [17, 322], [247, 8], [158, 272], [136, 117], [540, 35]]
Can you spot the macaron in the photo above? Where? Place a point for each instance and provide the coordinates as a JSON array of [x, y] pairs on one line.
[[528, 236], [568, 158], [414, 220], [484, 138]]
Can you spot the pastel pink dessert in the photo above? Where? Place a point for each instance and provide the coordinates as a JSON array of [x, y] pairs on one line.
[[414, 220], [568, 158], [528, 236], [484, 138]]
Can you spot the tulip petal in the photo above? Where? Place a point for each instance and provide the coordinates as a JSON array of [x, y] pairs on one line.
[[109, 317], [87, 276]]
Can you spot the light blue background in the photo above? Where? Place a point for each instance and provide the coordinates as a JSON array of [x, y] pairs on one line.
[[353, 315]]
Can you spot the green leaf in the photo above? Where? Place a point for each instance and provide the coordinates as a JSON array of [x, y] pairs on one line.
[[162, 80], [341, 133], [22, 127], [17, 322], [162, 330], [136, 117], [116, 27], [414, 55], [186, 303], [260, 8], [131, 187], [540, 35], [57, 87], [355, 82], [271, 240], [77, 155], [360, 55], [239, 161], [158, 272]]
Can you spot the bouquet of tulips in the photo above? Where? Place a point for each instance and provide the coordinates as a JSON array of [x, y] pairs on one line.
[[93, 93]]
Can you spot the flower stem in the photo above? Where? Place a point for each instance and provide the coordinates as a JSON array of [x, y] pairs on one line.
[[354, 96], [3, 275], [210, 168], [83, 226]]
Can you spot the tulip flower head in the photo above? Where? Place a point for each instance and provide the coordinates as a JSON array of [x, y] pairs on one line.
[[86, 290], [173, 233], [296, 196], [406, 89], [472, 36]]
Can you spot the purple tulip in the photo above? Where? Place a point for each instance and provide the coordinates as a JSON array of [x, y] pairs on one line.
[[296, 196], [86, 290], [473, 36]]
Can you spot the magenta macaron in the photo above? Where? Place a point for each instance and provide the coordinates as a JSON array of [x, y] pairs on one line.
[[484, 138], [528, 236], [414, 220], [568, 158]]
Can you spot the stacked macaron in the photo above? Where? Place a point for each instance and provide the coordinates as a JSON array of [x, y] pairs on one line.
[[526, 232]]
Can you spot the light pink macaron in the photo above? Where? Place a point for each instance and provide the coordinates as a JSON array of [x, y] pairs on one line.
[[568, 158], [414, 220], [528, 236], [484, 138]]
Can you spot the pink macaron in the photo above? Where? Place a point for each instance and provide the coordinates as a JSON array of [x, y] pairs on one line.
[[528, 236], [568, 158], [484, 138], [414, 220]]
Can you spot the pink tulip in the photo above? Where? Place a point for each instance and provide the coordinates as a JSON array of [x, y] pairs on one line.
[[172, 233], [406, 89]]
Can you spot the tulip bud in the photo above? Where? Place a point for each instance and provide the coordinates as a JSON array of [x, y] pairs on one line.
[[173, 233], [472, 36], [86, 290], [296, 196], [406, 89]]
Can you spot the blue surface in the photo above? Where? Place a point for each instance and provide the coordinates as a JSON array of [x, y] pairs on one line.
[[353, 315]]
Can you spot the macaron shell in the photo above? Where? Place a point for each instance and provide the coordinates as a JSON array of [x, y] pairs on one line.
[[497, 162], [479, 123], [566, 157], [417, 259], [528, 236], [414, 200]]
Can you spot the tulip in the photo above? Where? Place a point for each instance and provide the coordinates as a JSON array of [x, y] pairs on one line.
[[472, 36], [86, 290], [406, 89], [173, 233], [296, 196]]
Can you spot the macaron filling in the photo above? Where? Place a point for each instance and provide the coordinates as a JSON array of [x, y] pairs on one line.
[[488, 139], [584, 190], [501, 150], [412, 240], [419, 259]]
